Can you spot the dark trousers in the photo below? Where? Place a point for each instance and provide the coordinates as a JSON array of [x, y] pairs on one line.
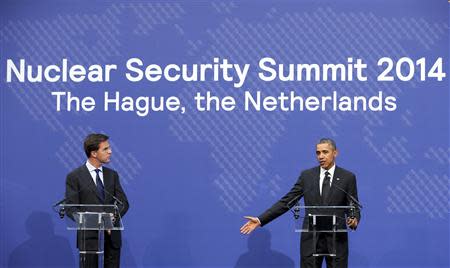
[[111, 257], [316, 262], [112, 254]]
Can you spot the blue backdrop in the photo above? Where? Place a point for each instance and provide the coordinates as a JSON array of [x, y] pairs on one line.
[[190, 178]]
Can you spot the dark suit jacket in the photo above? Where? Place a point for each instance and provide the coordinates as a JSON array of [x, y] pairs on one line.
[[307, 186], [81, 189]]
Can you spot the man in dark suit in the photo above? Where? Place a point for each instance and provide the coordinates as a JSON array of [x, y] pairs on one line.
[[324, 185], [94, 184]]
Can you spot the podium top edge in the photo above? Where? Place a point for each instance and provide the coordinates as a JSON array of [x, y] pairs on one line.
[[325, 207]]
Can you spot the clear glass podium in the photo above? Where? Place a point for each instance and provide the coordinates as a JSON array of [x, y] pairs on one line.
[[323, 219], [91, 221]]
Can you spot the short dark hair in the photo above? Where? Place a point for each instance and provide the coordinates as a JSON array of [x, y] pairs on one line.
[[92, 142], [329, 141]]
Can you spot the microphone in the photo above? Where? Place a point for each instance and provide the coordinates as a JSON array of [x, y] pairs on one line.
[[62, 211], [65, 199], [114, 197], [296, 210], [353, 200], [116, 200]]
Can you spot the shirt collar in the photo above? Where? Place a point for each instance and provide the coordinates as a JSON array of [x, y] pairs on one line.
[[91, 168], [331, 170]]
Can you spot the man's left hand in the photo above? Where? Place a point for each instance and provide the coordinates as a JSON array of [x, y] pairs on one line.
[[352, 223]]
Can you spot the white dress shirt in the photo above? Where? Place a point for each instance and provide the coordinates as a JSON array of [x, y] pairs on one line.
[[92, 169], [322, 176]]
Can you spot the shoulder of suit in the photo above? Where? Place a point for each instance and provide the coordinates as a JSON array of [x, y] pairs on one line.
[[110, 170], [311, 170], [345, 172], [77, 170]]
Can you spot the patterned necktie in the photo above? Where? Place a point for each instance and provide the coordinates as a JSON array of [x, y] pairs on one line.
[[325, 187], [100, 187]]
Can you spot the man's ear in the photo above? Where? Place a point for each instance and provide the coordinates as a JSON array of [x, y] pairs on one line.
[[336, 152]]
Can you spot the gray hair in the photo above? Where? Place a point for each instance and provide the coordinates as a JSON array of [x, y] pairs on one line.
[[329, 141]]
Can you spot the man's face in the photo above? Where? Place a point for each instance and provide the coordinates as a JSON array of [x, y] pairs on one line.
[[325, 155], [103, 154]]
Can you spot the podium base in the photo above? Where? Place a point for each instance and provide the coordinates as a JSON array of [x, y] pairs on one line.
[[324, 255]]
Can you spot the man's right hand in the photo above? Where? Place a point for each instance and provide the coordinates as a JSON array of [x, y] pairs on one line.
[[251, 225]]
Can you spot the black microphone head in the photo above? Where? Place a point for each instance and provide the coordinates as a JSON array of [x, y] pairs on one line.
[[62, 213]]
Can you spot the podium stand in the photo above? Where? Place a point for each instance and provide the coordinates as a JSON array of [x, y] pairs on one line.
[[323, 219], [91, 221]]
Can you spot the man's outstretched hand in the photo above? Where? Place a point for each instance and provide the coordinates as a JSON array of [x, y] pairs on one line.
[[251, 225], [352, 223]]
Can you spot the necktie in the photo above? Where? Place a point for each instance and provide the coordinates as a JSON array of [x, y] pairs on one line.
[[100, 187], [325, 187]]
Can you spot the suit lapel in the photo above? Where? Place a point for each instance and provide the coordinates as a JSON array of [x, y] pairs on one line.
[[316, 184], [86, 176], [108, 183]]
